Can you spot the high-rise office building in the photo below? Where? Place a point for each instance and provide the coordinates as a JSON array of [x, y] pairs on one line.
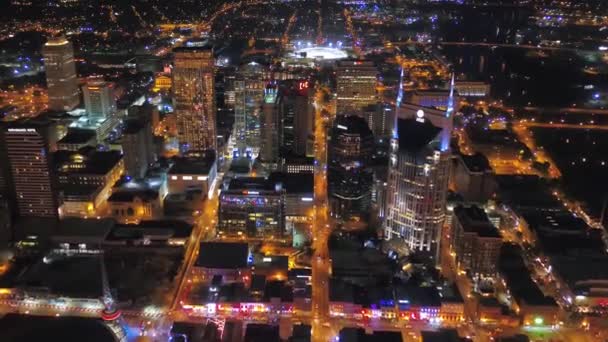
[[356, 85], [296, 115], [419, 162], [350, 176], [417, 185], [99, 100], [137, 147], [194, 97], [248, 88], [269, 130], [303, 119], [61, 78], [31, 180]]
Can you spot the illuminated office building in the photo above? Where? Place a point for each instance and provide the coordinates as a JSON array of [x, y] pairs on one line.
[[99, 100], [252, 207], [269, 130], [303, 118], [350, 177], [417, 186], [28, 165], [418, 175], [356, 83], [194, 97], [296, 116], [248, 88], [61, 79], [137, 147]]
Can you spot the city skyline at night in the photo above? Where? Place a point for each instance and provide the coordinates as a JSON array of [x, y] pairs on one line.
[[304, 170]]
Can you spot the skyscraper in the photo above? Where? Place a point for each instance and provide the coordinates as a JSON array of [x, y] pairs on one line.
[[248, 97], [418, 174], [356, 83], [194, 97], [350, 176], [61, 77], [303, 119], [417, 185], [137, 147], [30, 176], [99, 98], [269, 129]]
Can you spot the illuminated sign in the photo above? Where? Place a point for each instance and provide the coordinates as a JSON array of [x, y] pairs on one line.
[[306, 199], [267, 259], [250, 192], [342, 127], [303, 85], [20, 130], [420, 115]]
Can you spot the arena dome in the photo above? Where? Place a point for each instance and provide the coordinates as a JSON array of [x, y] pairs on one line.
[[320, 52]]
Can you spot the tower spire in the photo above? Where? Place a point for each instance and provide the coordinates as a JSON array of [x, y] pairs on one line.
[[450, 109], [398, 104]]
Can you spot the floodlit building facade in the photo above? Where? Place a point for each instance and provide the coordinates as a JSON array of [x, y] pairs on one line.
[[418, 176], [194, 97], [99, 100], [356, 83], [61, 79], [30, 177]]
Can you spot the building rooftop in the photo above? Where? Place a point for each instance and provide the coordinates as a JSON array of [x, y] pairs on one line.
[[87, 161], [351, 125], [197, 165], [223, 255], [517, 277], [255, 332], [132, 126], [251, 183], [442, 335], [77, 136], [294, 183], [561, 232], [415, 134], [278, 289], [352, 334], [78, 227], [570, 268], [129, 195], [29, 328], [241, 165], [526, 192], [76, 192], [417, 295], [475, 220], [168, 228], [73, 276], [476, 162], [194, 47]]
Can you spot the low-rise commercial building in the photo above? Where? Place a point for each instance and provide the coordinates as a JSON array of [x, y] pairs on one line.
[[193, 172], [252, 207]]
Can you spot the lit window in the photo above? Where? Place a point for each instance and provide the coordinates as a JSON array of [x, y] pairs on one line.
[[187, 177]]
